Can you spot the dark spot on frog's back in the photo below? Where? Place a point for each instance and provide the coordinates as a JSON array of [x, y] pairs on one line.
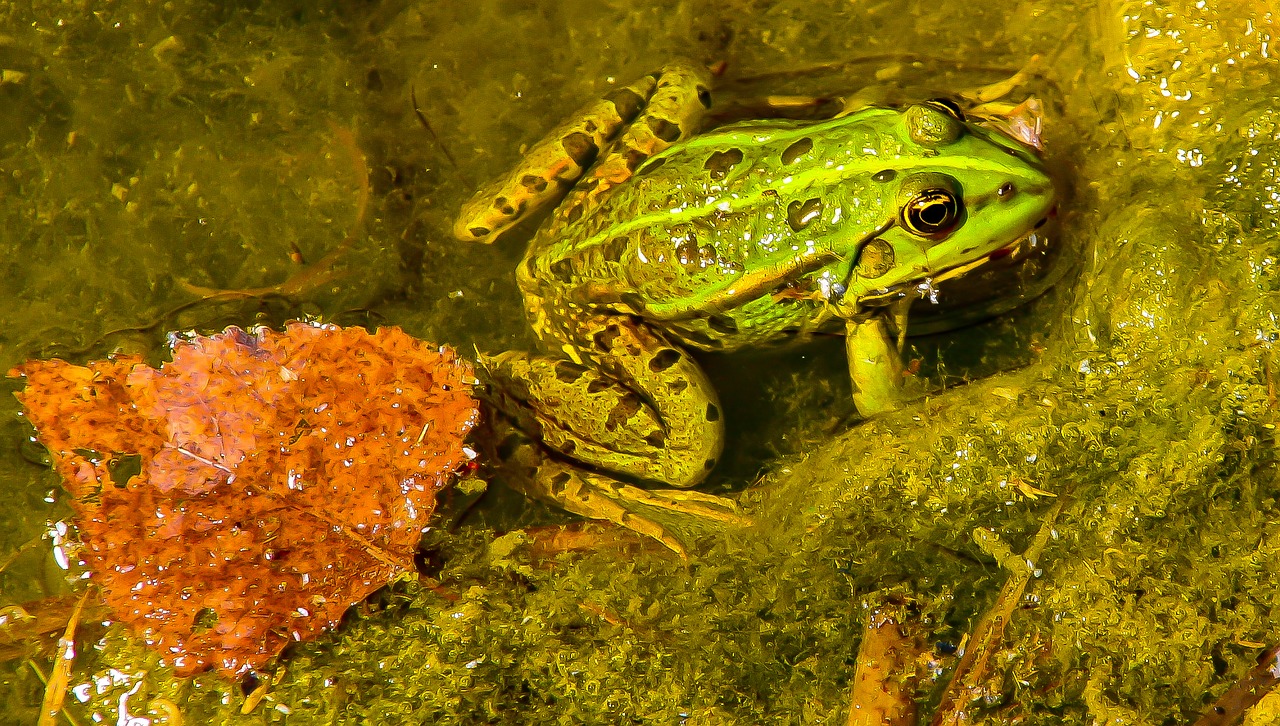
[[656, 438], [663, 129], [713, 412], [611, 249], [626, 407], [721, 163], [605, 338], [886, 175], [651, 167], [802, 214], [635, 159], [664, 359], [581, 148], [627, 103], [502, 204], [533, 182], [632, 300], [797, 150]]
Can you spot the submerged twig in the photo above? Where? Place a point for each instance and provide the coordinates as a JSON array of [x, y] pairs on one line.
[[56, 689], [25, 626], [322, 270], [13, 556], [967, 682], [1261, 680], [883, 683], [431, 132]]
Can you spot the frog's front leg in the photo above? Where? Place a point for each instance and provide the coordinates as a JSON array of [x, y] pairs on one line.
[[875, 365]]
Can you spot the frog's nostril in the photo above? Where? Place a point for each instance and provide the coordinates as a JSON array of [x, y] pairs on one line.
[[1006, 191]]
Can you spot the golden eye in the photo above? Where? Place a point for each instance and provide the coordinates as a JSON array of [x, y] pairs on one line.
[[932, 212]]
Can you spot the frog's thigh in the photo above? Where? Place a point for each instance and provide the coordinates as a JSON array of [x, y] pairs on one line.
[[652, 415], [584, 414]]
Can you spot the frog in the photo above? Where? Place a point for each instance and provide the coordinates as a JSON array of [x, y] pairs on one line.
[[664, 238]]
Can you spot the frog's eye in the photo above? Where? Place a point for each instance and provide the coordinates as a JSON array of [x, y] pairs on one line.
[[932, 212]]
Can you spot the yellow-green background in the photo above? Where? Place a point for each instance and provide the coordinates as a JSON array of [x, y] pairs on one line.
[[144, 144]]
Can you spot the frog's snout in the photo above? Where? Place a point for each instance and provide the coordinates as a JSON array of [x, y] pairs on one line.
[[1012, 247]]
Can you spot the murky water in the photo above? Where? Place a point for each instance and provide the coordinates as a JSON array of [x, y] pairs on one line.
[[153, 156]]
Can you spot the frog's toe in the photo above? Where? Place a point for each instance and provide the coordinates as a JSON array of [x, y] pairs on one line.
[[708, 507], [670, 516]]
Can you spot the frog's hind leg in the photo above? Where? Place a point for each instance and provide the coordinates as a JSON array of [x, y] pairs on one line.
[[644, 410], [550, 168], [667, 105], [644, 413], [670, 516], [674, 113]]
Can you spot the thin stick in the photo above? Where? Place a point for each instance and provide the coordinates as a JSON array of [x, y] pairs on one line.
[[1257, 683], [884, 681], [967, 682], [56, 689]]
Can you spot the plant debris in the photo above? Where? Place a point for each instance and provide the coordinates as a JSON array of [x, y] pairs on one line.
[[245, 494]]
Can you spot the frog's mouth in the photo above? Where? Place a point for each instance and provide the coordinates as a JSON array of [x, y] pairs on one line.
[[923, 286]]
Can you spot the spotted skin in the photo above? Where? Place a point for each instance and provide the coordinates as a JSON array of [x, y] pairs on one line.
[[672, 102], [674, 111], [644, 409], [552, 166], [668, 240]]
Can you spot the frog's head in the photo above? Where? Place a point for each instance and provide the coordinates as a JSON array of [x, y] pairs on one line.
[[963, 194]]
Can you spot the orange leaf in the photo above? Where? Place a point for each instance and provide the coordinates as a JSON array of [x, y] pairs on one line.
[[246, 493]]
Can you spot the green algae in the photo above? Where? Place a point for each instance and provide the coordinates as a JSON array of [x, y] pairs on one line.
[[1142, 395]]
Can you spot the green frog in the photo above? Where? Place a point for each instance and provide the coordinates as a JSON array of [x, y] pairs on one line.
[[667, 238]]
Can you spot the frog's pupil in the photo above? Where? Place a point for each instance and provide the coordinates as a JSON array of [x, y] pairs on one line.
[[934, 214], [933, 211]]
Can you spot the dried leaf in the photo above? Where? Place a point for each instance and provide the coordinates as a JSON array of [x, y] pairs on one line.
[[246, 493]]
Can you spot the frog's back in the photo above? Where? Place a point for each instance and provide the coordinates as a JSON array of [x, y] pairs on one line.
[[698, 217]]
